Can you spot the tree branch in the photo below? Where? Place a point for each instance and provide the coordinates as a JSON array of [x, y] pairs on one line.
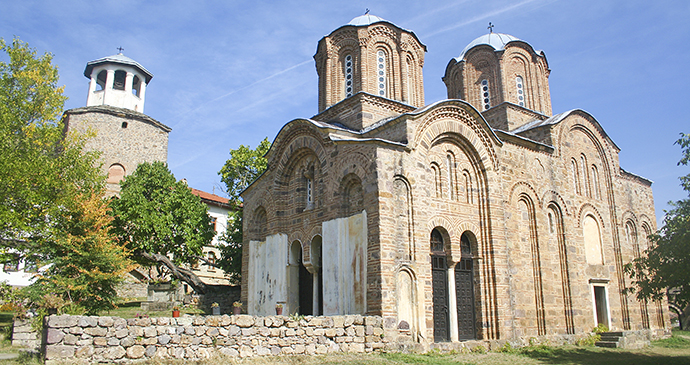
[[179, 273]]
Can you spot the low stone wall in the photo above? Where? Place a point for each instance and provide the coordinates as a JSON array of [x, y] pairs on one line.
[[23, 335], [92, 339]]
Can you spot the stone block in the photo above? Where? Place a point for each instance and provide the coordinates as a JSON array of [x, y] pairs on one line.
[[229, 351], [183, 321], [112, 341], [95, 331], [88, 321], [59, 352], [164, 339], [246, 351], [150, 351], [126, 342], [83, 352], [106, 321], [63, 321], [244, 321], [136, 352]]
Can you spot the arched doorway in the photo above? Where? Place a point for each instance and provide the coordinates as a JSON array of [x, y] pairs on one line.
[[464, 290], [439, 284]]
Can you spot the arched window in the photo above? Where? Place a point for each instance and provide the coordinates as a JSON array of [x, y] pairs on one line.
[[436, 245], [631, 238], [486, 95], [136, 85], [120, 77], [381, 72], [585, 181], [101, 79], [450, 164], [116, 173], [520, 91], [575, 176], [469, 199], [595, 183], [437, 179], [347, 71]]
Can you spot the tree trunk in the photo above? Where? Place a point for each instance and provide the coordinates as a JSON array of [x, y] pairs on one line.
[[179, 273]]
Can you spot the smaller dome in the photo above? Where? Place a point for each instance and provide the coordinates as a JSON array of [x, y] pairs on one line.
[[366, 19], [496, 40]]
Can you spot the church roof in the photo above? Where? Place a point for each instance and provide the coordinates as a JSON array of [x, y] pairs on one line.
[[496, 40], [366, 19], [121, 59]]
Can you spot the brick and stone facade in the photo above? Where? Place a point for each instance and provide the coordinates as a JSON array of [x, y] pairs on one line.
[[483, 217]]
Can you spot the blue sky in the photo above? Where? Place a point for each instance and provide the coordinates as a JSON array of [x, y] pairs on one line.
[[233, 72]]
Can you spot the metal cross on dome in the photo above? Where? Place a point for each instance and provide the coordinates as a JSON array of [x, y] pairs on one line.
[[490, 28], [120, 49]]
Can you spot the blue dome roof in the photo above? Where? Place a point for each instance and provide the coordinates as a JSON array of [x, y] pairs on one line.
[[496, 40], [366, 19]]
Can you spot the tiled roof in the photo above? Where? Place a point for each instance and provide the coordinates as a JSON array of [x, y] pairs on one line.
[[211, 198]]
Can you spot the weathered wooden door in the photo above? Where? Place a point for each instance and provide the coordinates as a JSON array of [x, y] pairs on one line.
[[464, 293], [439, 279]]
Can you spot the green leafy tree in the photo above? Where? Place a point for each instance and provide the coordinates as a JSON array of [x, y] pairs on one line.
[[162, 223], [41, 171], [666, 263], [50, 188], [244, 166]]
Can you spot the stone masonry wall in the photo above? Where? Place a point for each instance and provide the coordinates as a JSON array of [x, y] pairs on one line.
[[93, 339]]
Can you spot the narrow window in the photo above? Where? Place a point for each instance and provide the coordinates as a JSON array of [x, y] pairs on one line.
[[595, 183], [116, 173], [592, 236], [451, 177], [468, 187], [381, 69], [437, 179], [124, 124], [214, 221], [575, 177], [348, 76], [585, 182], [120, 77], [486, 97], [410, 83], [520, 91], [211, 261]]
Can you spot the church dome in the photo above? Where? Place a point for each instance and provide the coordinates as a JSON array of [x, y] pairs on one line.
[[496, 40], [366, 19]]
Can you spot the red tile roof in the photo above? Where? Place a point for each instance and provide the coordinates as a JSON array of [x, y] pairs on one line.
[[211, 198]]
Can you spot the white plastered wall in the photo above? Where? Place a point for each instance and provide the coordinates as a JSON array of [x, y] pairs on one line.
[[344, 265], [267, 284]]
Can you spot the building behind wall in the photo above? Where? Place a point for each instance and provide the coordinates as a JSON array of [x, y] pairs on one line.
[[482, 216]]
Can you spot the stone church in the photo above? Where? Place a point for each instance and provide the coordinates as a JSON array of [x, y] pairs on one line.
[[483, 216]]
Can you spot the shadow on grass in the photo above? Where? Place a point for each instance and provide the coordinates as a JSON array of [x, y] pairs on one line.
[[601, 356]]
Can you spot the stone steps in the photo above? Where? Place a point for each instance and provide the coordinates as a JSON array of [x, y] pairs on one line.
[[609, 339]]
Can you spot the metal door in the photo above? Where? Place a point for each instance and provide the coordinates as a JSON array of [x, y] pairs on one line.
[[440, 298], [464, 293]]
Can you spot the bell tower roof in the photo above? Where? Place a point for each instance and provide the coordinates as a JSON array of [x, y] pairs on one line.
[[118, 59]]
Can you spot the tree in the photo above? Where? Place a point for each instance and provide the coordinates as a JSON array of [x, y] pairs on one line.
[[162, 222], [666, 263], [88, 263], [41, 171], [50, 188], [244, 166]]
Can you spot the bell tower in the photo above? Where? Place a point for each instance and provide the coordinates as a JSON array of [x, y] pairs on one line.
[[117, 81], [370, 58]]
